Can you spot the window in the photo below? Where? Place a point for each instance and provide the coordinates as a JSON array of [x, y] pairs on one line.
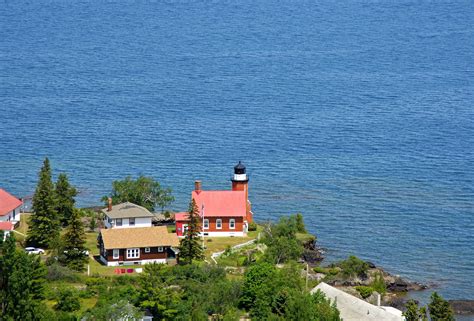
[[147, 250], [118, 222], [206, 224], [133, 253], [218, 224], [232, 224], [131, 221], [116, 254], [160, 248], [109, 220]]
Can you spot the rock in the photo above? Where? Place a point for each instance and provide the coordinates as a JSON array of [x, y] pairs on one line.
[[398, 285], [464, 307], [371, 265]]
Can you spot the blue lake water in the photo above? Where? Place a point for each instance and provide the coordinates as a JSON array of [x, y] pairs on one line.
[[358, 114]]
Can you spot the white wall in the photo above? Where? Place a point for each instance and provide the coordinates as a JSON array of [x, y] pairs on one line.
[[139, 222], [9, 216]]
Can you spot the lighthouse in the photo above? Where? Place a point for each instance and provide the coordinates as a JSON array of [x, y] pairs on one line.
[[240, 182]]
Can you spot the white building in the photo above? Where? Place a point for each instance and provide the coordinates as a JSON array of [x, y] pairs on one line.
[[9, 207], [127, 215], [355, 309]]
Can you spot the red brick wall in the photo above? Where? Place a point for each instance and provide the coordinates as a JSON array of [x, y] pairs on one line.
[[154, 254]]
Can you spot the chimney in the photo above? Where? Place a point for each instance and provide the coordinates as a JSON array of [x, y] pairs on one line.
[[109, 207], [197, 186]]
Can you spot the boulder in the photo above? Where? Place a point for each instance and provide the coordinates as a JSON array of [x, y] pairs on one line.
[[464, 307]]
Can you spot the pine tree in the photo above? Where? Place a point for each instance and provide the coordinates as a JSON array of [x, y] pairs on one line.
[[65, 194], [74, 240], [22, 278], [439, 308], [44, 224], [190, 247], [414, 312]]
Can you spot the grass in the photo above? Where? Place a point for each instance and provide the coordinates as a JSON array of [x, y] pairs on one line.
[[217, 244]]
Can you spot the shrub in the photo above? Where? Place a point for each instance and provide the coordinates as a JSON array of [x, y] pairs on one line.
[[68, 301], [252, 226], [378, 284], [364, 291], [57, 272], [353, 266]]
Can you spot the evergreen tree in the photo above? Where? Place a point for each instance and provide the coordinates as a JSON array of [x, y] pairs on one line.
[[22, 278], [44, 225], [190, 246], [65, 201], [74, 240], [439, 308], [413, 312]]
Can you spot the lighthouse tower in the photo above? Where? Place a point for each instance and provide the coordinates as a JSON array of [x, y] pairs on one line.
[[240, 182]]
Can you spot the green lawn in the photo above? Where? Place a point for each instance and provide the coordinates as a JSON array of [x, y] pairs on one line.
[[217, 244]]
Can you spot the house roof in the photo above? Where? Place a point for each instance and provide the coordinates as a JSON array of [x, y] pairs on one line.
[[6, 226], [127, 209], [221, 203], [355, 309], [122, 238], [8, 202], [181, 216]]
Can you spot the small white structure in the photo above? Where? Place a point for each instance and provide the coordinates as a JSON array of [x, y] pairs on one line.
[[355, 309], [9, 207], [126, 215], [7, 228]]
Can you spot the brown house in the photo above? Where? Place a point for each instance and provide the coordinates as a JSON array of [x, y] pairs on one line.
[[138, 245]]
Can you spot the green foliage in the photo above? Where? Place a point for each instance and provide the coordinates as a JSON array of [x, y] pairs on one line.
[[364, 291], [143, 191], [300, 223], [74, 240], [44, 224], [327, 270], [252, 226], [64, 193], [378, 284], [414, 312], [190, 247], [21, 282], [281, 241], [354, 267], [439, 308], [278, 294], [56, 272], [117, 309], [68, 301]]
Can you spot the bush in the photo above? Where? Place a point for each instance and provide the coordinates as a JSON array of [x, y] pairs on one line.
[[253, 226], [353, 266], [378, 284], [68, 301], [57, 272], [364, 291]]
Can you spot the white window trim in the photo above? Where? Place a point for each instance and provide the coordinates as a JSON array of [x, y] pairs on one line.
[[147, 250], [116, 222], [232, 220], [115, 254], [219, 220], [130, 221], [133, 251], [206, 224], [160, 249]]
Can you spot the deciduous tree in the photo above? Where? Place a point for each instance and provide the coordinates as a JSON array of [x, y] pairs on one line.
[[143, 191], [44, 224]]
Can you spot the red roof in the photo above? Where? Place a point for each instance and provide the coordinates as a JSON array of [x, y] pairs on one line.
[[6, 226], [8, 202], [221, 203], [181, 216]]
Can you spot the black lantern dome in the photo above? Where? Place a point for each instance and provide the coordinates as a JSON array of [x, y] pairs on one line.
[[239, 168]]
